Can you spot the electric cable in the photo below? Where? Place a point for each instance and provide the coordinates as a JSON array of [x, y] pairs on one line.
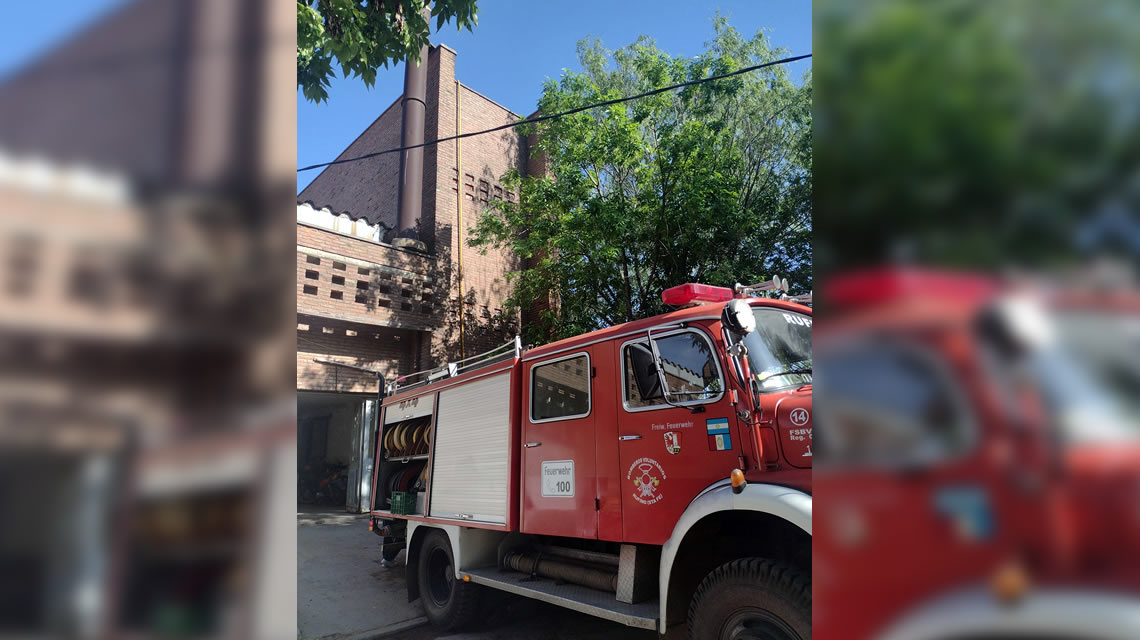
[[604, 103]]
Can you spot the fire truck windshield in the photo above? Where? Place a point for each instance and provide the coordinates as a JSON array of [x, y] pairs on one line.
[[779, 350], [1092, 375]]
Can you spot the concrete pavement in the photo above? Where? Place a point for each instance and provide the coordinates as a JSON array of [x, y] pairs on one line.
[[342, 592], [522, 618]]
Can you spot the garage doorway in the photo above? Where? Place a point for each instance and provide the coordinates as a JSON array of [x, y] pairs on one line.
[[336, 439]]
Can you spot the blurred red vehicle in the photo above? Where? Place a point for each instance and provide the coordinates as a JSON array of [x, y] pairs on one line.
[[979, 465]]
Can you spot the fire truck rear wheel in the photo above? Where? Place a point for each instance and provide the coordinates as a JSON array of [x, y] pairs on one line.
[[450, 604], [752, 598]]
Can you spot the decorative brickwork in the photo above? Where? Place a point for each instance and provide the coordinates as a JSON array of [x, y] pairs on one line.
[[356, 280]]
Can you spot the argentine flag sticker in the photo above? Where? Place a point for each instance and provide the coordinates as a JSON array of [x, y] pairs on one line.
[[719, 438]]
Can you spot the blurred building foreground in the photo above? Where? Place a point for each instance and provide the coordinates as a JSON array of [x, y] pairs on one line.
[[146, 408]]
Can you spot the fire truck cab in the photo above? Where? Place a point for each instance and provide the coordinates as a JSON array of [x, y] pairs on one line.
[[650, 473]]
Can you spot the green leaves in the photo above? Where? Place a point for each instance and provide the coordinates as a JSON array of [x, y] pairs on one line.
[[973, 133], [711, 183], [363, 35]]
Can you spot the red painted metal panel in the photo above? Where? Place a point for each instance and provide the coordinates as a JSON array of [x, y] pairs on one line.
[[513, 508], [794, 423], [607, 403], [564, 446], [671, 459]]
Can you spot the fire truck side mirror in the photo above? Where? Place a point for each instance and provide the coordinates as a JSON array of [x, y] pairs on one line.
[[1014, 327], [645, 372]]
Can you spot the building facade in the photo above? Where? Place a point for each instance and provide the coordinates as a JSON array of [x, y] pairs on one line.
[[368, 310]]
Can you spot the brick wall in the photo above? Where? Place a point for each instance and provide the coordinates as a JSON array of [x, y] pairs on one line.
[[432, 301], [390, 351], [485, 160], [361, 302]]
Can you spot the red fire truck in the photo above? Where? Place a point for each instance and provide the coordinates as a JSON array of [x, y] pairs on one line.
[[980, 460], [650, 473]]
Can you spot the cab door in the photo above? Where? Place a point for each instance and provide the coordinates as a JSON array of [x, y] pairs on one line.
[[559, 483], [915, 499], [668, 453]]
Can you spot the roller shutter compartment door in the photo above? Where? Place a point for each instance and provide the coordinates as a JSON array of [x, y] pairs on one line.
[[471, 460]]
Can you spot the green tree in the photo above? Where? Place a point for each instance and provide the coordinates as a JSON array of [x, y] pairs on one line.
[[972, 133], [364, 35], [711, 183]]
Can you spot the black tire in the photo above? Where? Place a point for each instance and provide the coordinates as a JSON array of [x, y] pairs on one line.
[[752, 598], [450, 604]]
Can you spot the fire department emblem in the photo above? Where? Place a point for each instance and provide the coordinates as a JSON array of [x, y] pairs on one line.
[[647, 475], [799, 416], [673, 442]]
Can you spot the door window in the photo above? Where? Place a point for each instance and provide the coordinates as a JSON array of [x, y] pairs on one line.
[[888, 404], [560, 389], [692, 372]]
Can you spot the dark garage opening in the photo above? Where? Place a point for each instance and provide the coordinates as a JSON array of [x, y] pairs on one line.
[[335, 442]]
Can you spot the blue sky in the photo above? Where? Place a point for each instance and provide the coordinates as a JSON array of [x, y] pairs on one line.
[[35, 27], [518, 44]]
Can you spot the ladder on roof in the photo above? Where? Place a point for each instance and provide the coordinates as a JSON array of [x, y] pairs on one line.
[[510, 350]]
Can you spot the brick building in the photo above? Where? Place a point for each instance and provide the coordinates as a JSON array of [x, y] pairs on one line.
[[367, 308]]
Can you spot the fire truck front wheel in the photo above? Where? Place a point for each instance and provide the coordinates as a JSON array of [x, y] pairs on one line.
[[752, 598], [450, 604]]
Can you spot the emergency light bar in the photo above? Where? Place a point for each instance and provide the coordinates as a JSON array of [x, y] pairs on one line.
[[693, 293]]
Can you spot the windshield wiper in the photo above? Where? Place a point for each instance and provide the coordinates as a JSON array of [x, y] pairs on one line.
[[790, 372]]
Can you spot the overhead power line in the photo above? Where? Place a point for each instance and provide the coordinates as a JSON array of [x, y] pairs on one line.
[[552, 116]]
